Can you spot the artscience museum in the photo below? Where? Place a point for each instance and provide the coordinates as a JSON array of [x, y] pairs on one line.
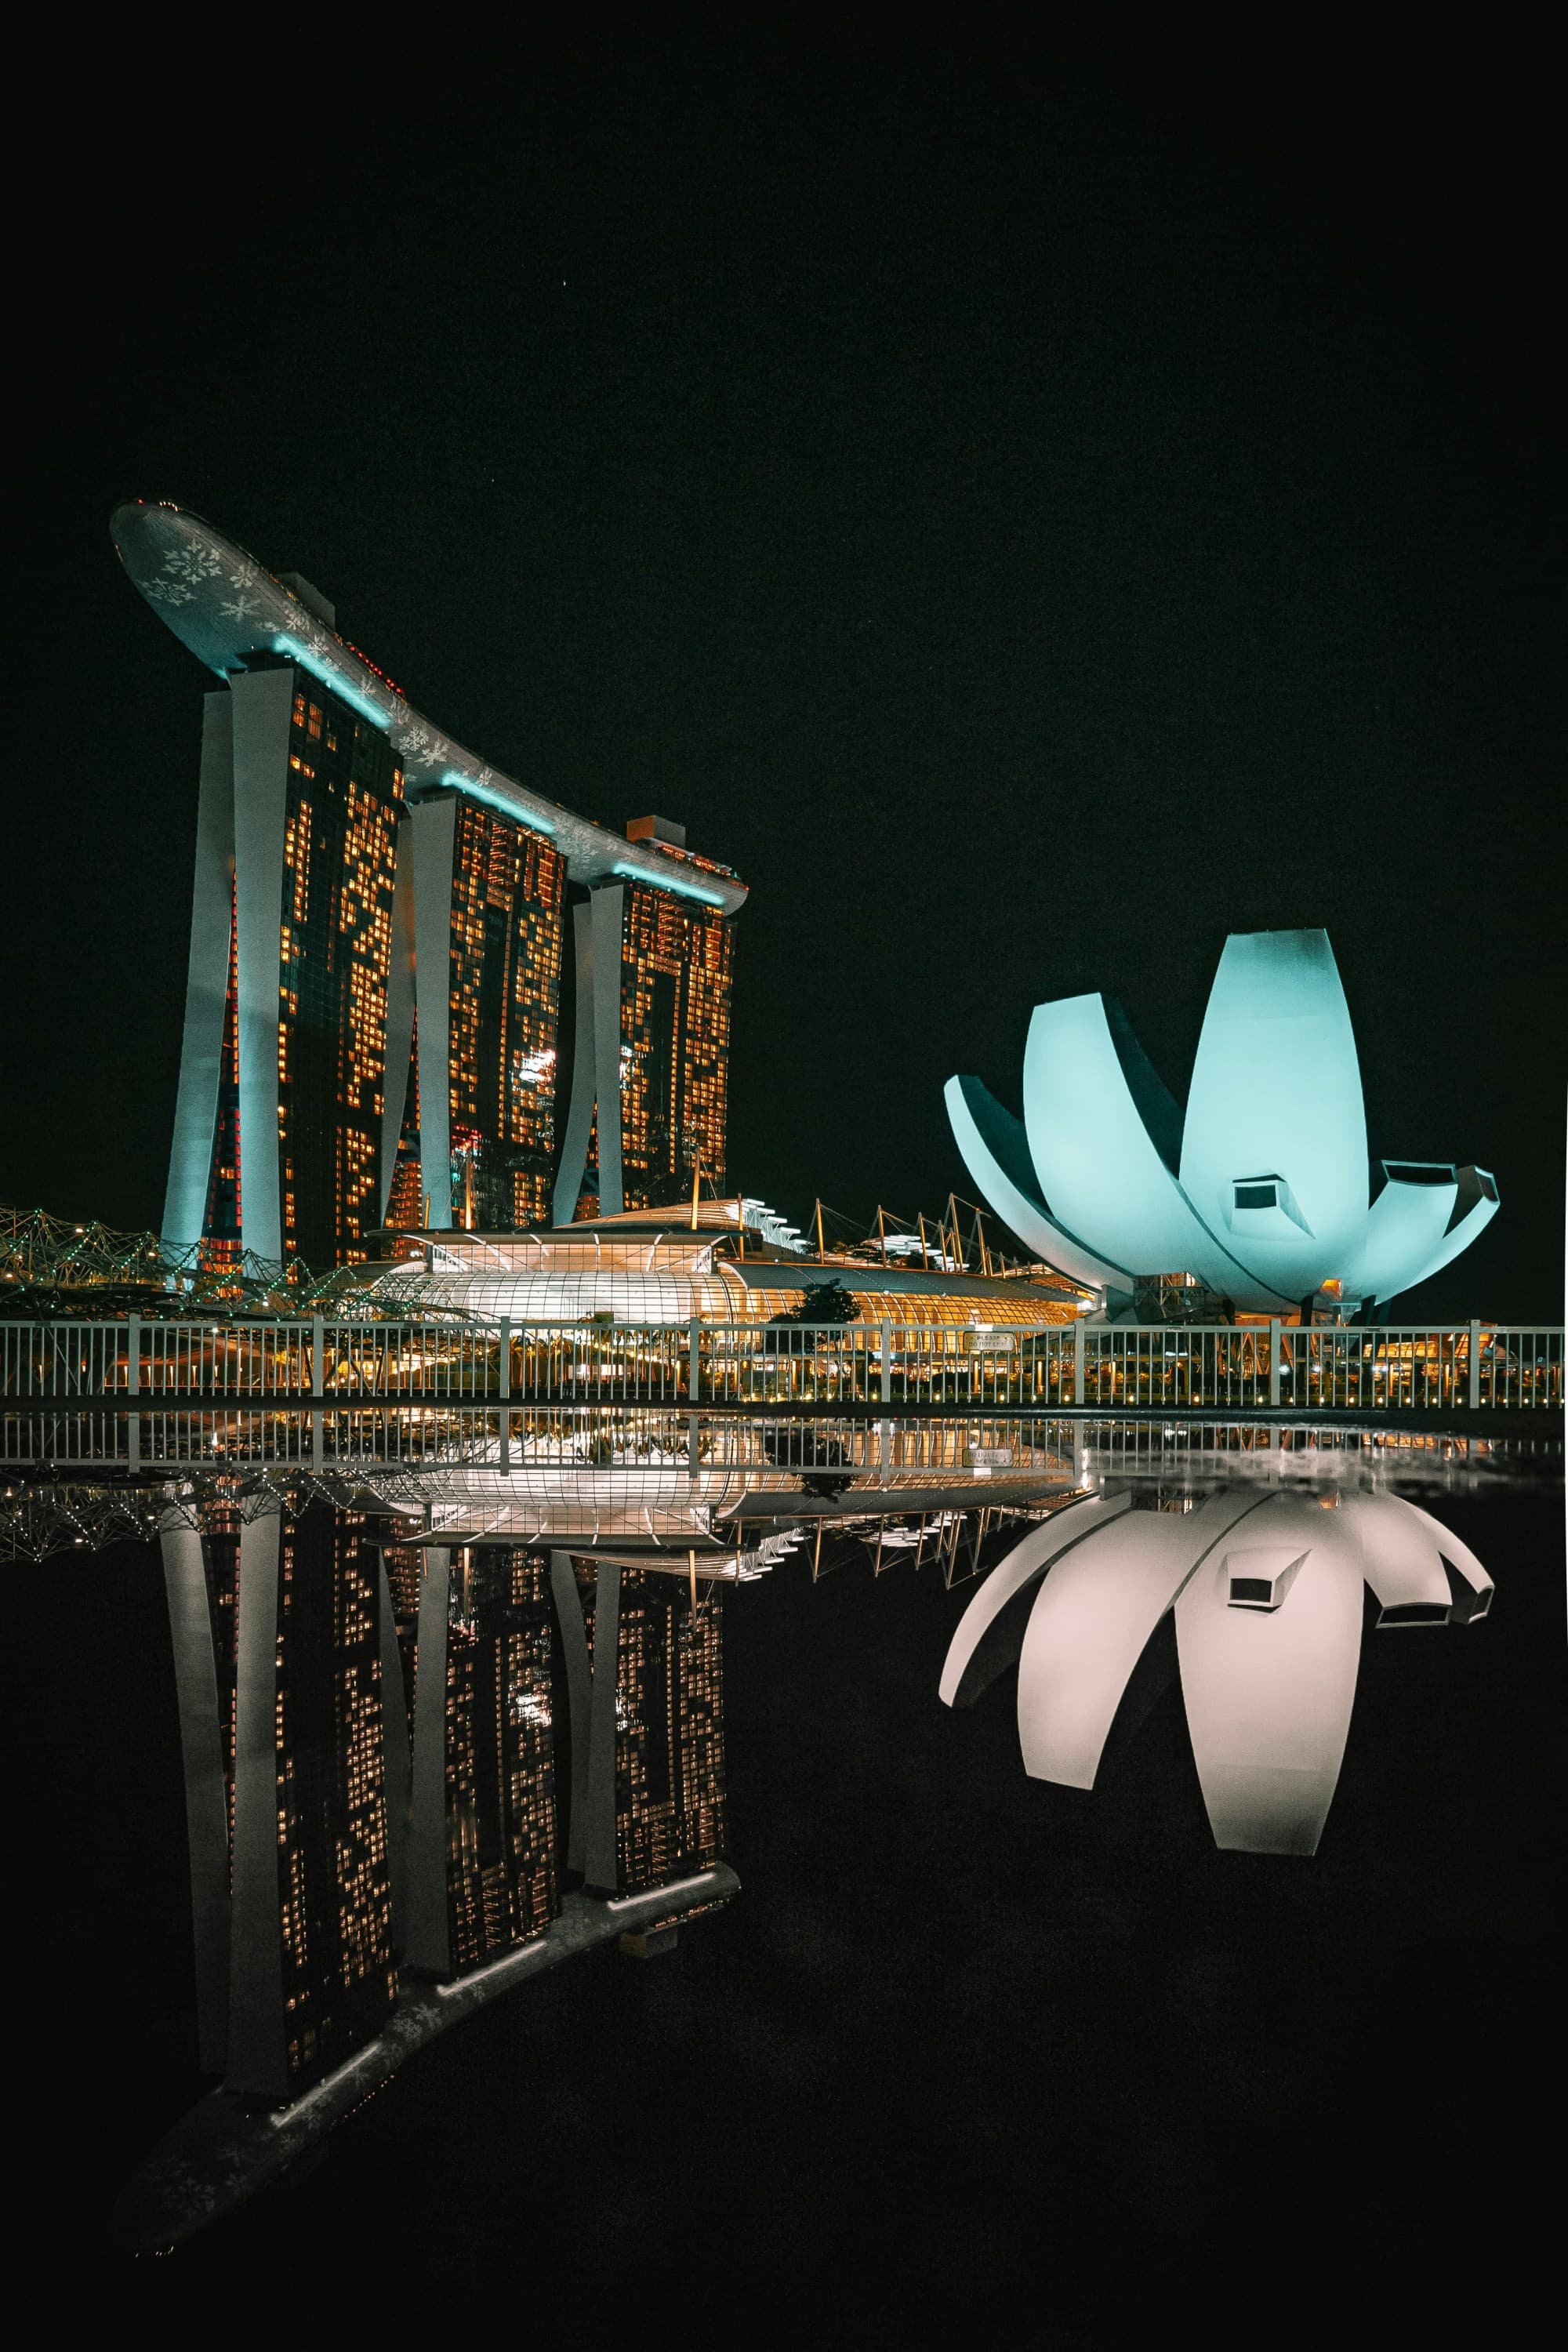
[[1258, 1190]]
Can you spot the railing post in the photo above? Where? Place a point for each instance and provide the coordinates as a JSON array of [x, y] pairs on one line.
[[1078, 1362], [1475, 1365], [885, 1344], [1275, 1336], [133, 1354], [504, 1365], [694, 1359], [318, 1388]]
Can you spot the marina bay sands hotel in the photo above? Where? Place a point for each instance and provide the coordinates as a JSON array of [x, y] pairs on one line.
[[373, 1004]]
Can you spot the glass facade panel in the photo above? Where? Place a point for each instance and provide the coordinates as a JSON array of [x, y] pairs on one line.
[[221, 1228], [508, 883], [343, 804], [670, 1818], [504, 1884], [677, 963], [334, 1887]]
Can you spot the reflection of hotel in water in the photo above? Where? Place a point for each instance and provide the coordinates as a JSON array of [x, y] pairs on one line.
[[406, 1735], [373, 999], [396, 1757]]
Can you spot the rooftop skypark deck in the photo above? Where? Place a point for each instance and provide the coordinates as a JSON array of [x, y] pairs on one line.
[[227, 609]]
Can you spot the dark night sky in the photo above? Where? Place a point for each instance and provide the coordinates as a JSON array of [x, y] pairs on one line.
[[1032, 509]]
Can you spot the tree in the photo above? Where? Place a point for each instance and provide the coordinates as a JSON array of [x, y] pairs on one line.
[[823, 1302]]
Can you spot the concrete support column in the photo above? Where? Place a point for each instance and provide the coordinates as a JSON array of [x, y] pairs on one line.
[[206, 981], [694, 1360], [580, 1108], [1077, 1361], [395, 1759], [598, 927], [399, 1012], [600, 1862], [257, 2056], [1276, 1335], [429, 1944], [206, 1798], [262, 710], [1474, 1393], [607, 911], [579, 1693], [885, 1350], [434, 824]]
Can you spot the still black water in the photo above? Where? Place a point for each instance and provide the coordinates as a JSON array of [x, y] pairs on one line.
[[968, 2048]]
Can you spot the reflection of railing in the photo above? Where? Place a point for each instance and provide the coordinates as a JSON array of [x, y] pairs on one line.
[[1224, 1368], [586, 1453]]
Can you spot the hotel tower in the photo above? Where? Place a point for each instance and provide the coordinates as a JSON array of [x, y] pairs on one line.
[[378, 932]]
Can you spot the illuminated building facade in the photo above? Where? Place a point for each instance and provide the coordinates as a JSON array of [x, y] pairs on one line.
[[372, 1002], [651, 1070], [340, 835], [648, 1781], [279, 1118], [281, 1654], [669, 1734], [395, 1755], [487, 895], [651, 1268], [484, 1872]]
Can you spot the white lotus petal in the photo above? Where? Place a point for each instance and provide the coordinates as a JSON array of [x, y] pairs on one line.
[[1029, 1558], [1268, 1692], [1090, 1626]]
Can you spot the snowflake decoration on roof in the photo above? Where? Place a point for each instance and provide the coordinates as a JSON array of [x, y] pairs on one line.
[[194, 564]]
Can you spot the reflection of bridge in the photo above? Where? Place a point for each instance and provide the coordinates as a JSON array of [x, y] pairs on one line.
[[329, 1366]]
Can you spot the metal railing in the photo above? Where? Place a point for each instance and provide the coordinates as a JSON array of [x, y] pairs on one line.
[[1261, 1367]]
